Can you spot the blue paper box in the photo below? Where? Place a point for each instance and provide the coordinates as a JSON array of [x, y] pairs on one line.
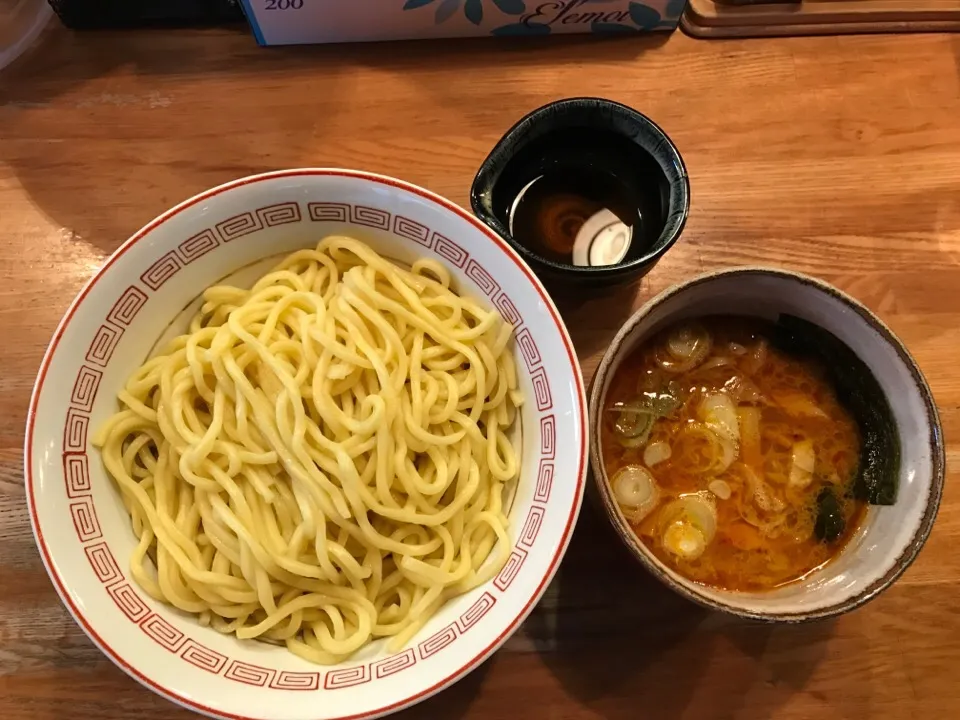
[[285, 22]]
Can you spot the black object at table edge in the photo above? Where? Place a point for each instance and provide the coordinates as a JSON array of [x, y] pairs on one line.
[[102, 14]]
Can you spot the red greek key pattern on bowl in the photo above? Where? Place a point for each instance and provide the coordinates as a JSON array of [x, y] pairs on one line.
[[476, 611], [449, 250], [75, 430], [328, 211], [165, 634], [238, 226], [103, 344], [85, 520], [85, 388], [279, 214], [347, 677], [541, 389], [129, 602], [161, 271], [544, 481], [510, 569], [531, 527], [288, 680], [483, 280], [508, 310], [370, 216], [126, 308], [548, 436], [528, 348], [102, 562], [249, 674], [437, 642], [412, 230], [394, 664], [197, 246], [76, 474], [203, 657]]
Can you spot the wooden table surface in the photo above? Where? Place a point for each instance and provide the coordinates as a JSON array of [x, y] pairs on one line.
[[835, 156]]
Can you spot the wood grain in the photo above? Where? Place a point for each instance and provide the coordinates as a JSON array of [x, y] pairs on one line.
[[834, 156]]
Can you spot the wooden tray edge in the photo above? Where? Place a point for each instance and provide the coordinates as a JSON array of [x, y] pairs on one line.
[[690, 24]]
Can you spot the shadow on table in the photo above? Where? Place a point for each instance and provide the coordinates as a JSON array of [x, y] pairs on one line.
[[455, 701], [625, 646], [593, 316]]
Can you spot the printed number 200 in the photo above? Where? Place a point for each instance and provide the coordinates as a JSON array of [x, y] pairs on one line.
[[284, 4]]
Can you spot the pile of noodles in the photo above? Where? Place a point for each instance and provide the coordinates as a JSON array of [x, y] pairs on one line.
[[322, 460]]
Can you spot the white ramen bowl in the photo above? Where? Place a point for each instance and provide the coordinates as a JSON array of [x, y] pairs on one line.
[[83, 531], [889, 537]]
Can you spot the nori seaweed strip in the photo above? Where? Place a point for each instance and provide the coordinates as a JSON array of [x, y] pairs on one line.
[[857, 390], [830, 523]]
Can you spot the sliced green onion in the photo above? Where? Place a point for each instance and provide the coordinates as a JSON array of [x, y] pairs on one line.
[[636, 491], [631, 423], [656, 452]]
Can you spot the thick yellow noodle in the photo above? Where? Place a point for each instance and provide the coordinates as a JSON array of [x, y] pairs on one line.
[[323, 459]]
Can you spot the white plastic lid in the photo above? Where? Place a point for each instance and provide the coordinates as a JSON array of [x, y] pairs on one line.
[[20, 23]]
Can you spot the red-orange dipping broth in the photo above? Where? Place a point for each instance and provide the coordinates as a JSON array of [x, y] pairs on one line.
[[752, 458]]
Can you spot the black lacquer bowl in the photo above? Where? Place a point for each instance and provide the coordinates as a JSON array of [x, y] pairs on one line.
[[615, 136]]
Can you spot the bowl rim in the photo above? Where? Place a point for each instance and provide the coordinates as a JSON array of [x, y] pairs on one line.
[[672, 229], [937, 452], [481, 655]]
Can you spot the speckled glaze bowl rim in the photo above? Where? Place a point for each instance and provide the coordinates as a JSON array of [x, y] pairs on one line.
[[937, 453], [671, 230]]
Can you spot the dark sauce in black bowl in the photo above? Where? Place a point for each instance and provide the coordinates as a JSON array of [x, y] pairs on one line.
[[583, 197], [586, 190]]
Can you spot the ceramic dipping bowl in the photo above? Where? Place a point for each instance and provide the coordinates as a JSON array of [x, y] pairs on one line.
[[889, 537]]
